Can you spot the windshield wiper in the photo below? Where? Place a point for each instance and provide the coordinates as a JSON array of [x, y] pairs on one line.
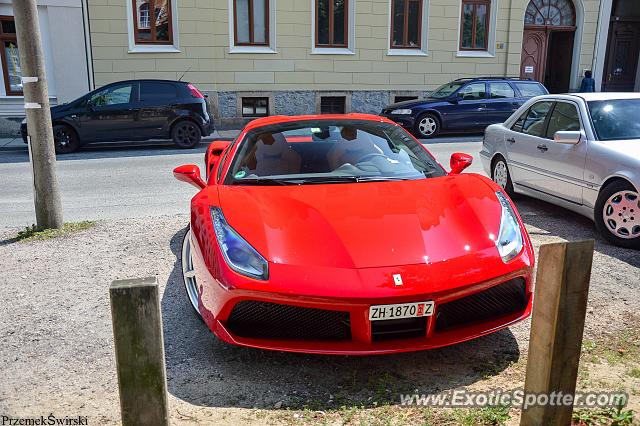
[[262, 181]]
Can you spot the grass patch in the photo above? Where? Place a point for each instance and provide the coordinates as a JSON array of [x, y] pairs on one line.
[[32, 233], [487, 416], [623, 347], [602, 417]]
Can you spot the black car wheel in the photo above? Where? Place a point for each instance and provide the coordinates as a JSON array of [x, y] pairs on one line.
[[186, 134], [617, 214], [65, 138], [427, 126]]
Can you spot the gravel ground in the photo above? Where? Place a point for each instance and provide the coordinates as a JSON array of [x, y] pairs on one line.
[[57, 350]]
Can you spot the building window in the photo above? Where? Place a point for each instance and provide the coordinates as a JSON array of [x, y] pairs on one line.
[[152, 22], [255, 107], [474, 27], [404, 98], [333, 104], [10, 57], [406, 24], [251, 22], [332, 18]]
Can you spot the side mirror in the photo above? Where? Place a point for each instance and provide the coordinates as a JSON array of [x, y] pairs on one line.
[[568, 137], [189, 173], [459, 161], [214, 151], [455, 98]]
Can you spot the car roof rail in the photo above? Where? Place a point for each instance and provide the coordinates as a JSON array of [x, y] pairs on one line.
[[494, 78]]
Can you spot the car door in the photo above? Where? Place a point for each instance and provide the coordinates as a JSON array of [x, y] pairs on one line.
[[470, 110], [158, 101], [502, 102], [524, 142], [110, 114], [562, 165]]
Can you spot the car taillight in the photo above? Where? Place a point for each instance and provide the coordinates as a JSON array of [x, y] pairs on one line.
[[195, 92]]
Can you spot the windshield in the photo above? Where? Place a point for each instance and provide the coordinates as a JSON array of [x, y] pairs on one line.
[[445, 90], [330, 151], [616, 119]]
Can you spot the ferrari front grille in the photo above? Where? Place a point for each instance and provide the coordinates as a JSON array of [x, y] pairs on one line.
[[503, 299], [403, 328], [265, 320]]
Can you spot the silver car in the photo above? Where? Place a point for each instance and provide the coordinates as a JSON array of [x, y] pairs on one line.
[[580, 151]]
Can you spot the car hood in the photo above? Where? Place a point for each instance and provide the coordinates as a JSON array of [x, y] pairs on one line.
[[366, 225]]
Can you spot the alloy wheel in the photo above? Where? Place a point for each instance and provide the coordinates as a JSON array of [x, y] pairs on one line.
[[187, 134], [500, 174], [428, 126], [621, 214], [189, 273], [62, 138]]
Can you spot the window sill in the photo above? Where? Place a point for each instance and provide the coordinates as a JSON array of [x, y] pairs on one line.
[[252, 49], [474, 54], [139, 48], [331, 51], [406, 52]]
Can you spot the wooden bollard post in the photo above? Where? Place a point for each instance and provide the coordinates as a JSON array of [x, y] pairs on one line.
[[559, 310], [137, 333]]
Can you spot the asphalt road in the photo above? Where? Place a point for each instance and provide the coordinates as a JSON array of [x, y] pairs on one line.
[[133, 181]]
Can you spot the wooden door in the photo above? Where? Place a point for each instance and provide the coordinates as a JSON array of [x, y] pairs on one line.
[[534, 53], [622, 57]]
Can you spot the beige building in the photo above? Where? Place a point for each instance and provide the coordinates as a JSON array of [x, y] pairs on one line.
[[257, 57]]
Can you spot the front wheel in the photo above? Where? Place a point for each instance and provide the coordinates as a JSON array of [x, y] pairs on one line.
[[65, 139], [617, 214], [186, 134], [500, 175], [189, 274], [427, 126]]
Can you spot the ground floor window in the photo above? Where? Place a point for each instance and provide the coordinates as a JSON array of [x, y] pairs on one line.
[[404, 98], [10, 56], [333, 104], [255, 107]]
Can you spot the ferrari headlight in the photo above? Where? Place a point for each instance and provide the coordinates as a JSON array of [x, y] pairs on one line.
[[238, 254], [509, 241], [401, 111], [24, 121]]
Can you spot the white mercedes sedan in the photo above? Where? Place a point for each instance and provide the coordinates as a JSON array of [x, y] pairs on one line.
[[580, 151]]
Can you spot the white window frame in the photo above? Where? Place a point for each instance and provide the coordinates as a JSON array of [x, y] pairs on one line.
[[269, 48], [351, 36], [424, 37], [491, 43], [153, 48]]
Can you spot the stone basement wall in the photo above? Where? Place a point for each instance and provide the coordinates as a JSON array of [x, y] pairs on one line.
[[228, 115]]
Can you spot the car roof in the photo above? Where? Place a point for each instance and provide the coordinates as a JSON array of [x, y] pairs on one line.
[[276, 119], [596, 96], [489, 78], [154, 80]]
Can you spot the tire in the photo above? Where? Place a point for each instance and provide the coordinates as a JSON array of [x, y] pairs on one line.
[[65, 139], [617, 214], [188, 274], [501, 176], [186, 134], [427, 126]]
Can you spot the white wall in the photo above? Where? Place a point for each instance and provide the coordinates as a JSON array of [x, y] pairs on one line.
[[63, 42]]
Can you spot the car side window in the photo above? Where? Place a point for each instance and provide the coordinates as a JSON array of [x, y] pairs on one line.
[[517, 126], [563, 118], [501, 90], [534, 123], [529, 90], [151, 91], [116, 95], [473, 92]]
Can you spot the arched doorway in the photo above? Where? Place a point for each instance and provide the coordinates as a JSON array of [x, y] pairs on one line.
[[547, 43]]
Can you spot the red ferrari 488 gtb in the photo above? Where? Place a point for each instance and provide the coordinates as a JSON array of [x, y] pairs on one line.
[[341, 234]]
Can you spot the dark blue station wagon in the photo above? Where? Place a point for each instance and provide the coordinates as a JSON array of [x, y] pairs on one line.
[[464, 105]]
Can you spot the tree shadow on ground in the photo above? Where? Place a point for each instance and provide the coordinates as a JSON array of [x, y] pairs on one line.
[[208, 372]]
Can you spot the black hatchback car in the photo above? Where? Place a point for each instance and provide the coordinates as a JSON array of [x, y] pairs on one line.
[[464, 105], [132, 110]]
